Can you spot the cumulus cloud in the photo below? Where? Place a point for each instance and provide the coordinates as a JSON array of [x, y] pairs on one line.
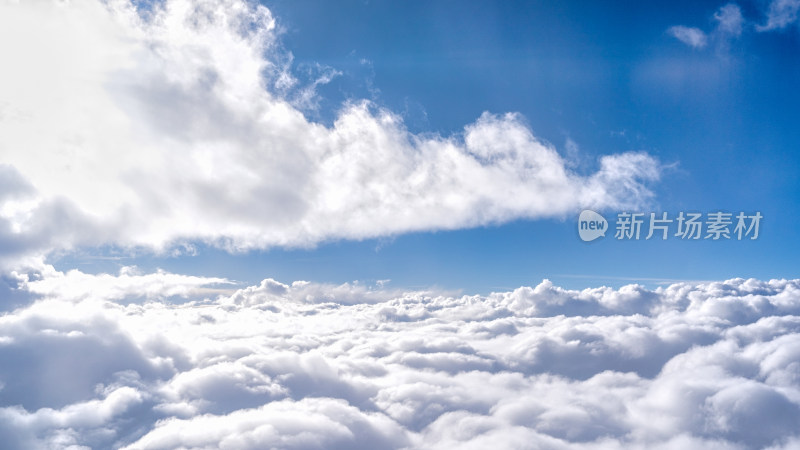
[[159, 123], [130, 284], [302, 365]]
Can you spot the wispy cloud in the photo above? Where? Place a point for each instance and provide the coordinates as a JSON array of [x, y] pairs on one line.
[[781, 14], [693, 37], [730, 23], [730, 20]]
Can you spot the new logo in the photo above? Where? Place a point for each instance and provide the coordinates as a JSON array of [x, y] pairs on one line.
[[591, 225]]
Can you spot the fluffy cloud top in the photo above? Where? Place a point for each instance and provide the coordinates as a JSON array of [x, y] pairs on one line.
[[712, 365], [156, 123]]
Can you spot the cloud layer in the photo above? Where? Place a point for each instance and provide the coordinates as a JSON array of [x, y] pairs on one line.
[[304, 365], [159, 123]]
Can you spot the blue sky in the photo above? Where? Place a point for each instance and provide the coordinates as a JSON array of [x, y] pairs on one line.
[[315, 224], [606, 78]]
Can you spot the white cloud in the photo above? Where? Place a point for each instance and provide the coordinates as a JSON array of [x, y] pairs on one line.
[[308, 423], [129, 285], [158, 127], [729, 20], [301, 365], [729, 25], [781, 14], [691, 36]]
